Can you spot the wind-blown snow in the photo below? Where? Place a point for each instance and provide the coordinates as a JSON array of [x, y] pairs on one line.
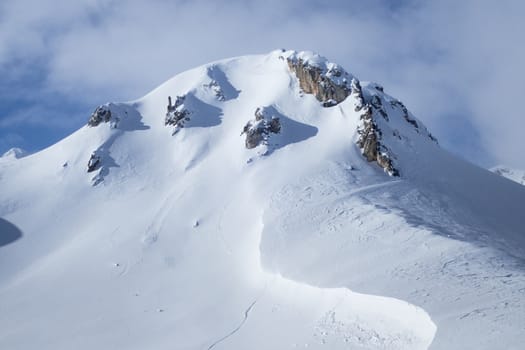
[[188, 240]]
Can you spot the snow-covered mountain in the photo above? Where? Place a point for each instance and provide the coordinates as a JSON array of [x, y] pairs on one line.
[[261, 202], [511, 174]]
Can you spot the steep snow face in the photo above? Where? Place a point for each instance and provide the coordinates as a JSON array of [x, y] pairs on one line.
[[147, 230], [511, 174]]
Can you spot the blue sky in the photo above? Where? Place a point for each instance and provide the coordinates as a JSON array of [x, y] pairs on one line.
[[457, 65]]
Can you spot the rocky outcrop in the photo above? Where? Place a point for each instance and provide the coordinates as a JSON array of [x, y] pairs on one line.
[[258, 130], [370, 134], [369, 141], [357, 94], [177, 114], [328, 82], [93, 163], [102, 114]]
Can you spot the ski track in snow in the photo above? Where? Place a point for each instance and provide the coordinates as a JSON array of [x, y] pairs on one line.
[[238, 328]]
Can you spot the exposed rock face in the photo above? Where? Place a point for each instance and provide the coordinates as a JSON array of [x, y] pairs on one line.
[[177, 114], [327, 81], [93, 163], [331, 84], [101, 115], [370, 142], [382, 125], [257, 131], [370, 134]]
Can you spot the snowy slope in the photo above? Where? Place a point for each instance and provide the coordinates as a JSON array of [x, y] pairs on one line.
[[181, 237], [511, 174]]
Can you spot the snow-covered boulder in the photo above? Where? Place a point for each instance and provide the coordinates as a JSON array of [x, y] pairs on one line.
[[259, 129]]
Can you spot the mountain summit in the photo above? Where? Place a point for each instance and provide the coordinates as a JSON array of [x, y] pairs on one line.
[[266, 202]]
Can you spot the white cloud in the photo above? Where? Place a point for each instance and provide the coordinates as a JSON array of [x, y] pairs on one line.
[[456, 65]]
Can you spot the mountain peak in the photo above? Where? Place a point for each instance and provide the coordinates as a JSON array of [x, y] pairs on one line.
[[384, 128]]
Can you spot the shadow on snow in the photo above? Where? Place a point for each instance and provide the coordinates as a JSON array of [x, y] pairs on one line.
[[8, 232]]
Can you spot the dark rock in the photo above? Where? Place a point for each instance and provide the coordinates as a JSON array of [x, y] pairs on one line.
[[93, 163], [274, 126], [329, 103], [370, 142], [101, 115], [432, 138], [177, 114]]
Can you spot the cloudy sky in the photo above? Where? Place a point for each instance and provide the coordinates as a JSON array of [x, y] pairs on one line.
[[457, 65]]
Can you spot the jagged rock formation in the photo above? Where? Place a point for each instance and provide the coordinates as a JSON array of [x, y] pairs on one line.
[[370, 143], [370, 134], [177, 114], [257, 131], [378, 110], [331, 85], [327, 81], [93, 163], [102, 114]]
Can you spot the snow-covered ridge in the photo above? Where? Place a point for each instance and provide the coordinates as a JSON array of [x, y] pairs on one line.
[[331, 85], [511, 174], [381, 116]]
